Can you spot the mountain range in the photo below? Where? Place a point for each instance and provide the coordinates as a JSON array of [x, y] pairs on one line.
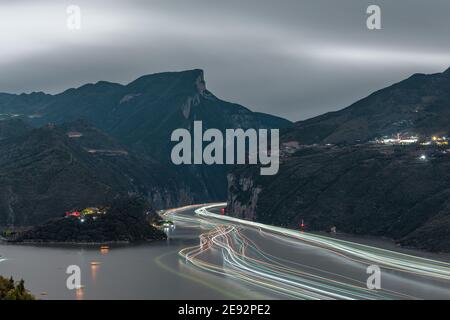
[[332, 175], [45, 173], [84, 146], [141, 114], [419, 104]]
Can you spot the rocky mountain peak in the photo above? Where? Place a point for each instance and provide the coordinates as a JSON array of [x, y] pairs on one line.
[[200, 82], [447, 72]]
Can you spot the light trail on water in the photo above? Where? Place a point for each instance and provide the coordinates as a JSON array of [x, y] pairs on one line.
[[244, 260]]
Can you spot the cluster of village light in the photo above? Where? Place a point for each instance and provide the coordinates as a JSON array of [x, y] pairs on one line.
[[438, 141], [405, 140], [88, 212]]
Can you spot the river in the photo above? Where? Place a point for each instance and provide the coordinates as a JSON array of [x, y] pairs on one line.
[[271, 266], [141, 271]]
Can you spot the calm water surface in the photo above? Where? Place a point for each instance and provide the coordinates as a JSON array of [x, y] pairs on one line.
[[145, 271], [156, 271]]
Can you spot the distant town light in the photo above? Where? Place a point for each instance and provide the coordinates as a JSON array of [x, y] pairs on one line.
[[423, 157], [398, 140], [74, 134]]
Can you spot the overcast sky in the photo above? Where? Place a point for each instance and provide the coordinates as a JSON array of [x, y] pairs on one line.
[[292, 58]]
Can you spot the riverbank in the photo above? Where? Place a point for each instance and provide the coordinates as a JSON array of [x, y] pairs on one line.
[[388, 244], [127, 220]]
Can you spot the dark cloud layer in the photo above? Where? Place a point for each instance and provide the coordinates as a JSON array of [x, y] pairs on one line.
[[292, 58]]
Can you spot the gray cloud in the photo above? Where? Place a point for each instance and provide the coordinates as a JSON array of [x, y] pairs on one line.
[[292, 58]]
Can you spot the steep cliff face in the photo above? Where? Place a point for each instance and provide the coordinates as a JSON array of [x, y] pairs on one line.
[[242, 196], [172, 196]]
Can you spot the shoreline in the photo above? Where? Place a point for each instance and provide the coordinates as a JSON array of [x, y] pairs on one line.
[[74, 243], [380, 242], [387, 244]]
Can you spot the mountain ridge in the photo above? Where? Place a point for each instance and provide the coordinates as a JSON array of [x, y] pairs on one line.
[[46, 172], [399, 108], [139, 117], [333, 174]]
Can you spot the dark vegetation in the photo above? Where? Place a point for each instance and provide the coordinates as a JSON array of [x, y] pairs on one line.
[[11, 290], [359, 187], [128, 219], [124, 147]]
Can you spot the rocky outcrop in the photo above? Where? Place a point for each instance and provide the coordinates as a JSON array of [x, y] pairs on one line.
[[168, 198], [242, 196]]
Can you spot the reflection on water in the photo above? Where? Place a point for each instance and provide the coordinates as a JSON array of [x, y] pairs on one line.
[[156, 271], [104, 249], [79, 294], [94, 269], [144, 271]]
